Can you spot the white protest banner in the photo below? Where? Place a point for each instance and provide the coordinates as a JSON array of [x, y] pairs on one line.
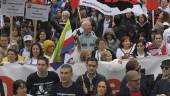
[[12, 7], [37, 12], [109, 10], [114, 71], [11, 72]]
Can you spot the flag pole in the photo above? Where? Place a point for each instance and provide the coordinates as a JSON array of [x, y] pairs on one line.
[[35, 30], [78, 9], [11, 28]]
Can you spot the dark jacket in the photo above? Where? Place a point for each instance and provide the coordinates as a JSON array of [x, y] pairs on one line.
[[162, 86], [143, 89], [86, 80], [99, 30], [145, 29]]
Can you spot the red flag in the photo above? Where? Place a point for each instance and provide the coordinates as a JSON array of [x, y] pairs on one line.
[[74, 4], [152, 4]]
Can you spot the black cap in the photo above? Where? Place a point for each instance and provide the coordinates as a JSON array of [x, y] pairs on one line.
[[166, 63]]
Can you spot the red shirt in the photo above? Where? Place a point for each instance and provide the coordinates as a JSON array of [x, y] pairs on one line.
[[40, 3], [135, 93]]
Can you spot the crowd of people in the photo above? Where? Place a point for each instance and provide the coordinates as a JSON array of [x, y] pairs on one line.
[[97, 37]]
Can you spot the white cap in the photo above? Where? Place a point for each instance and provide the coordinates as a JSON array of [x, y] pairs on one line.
[[28, 38], [166, 23]]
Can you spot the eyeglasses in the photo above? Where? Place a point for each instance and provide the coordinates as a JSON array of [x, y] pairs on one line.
[[163, 67]]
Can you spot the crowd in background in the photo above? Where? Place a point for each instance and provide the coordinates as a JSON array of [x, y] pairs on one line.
[[96, 35]]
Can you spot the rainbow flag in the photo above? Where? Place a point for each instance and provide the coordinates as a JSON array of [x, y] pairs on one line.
[[65, 42]]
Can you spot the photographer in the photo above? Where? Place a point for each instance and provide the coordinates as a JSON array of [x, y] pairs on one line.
[[85, 35]]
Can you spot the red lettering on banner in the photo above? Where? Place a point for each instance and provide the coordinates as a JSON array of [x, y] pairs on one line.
[[113, 1], [9, 83]]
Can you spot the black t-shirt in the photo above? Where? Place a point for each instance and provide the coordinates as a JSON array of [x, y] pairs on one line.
[[59, 90], [40, 86]]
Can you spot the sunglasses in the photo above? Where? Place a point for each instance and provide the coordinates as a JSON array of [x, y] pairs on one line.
[[163, 67]]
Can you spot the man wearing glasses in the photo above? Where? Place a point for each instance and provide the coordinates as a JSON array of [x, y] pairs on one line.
[[162, 87], [133, 65]]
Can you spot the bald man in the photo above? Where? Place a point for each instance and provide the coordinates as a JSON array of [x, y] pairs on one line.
[[87, 37]]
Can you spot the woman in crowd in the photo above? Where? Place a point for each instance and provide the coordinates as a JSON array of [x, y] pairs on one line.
[[101, 45], [125, 49], [143, 25], [163, 17], [13, 57], [41, 37], [113, 42], [140, 50], [48, 48], [141, 36], [84, 54], [106, 56], [19, 88], [16, 37], [157, 48], [103, 89], [36, 51]]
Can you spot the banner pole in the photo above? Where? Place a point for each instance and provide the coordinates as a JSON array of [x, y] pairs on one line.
[[153, 20], [78, 9], [11, 28], [35, 30]]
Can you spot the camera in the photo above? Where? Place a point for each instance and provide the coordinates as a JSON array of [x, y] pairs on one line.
[[79, 31]]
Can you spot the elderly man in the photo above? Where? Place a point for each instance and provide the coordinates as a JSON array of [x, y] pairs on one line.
[[87, 37], [162, 86]]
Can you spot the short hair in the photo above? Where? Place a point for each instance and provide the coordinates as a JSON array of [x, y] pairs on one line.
[[92, 59], [68, 66], [44, 59], [15, 51], [66, 12], [17, 84], [100, 39], [131, 64]]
